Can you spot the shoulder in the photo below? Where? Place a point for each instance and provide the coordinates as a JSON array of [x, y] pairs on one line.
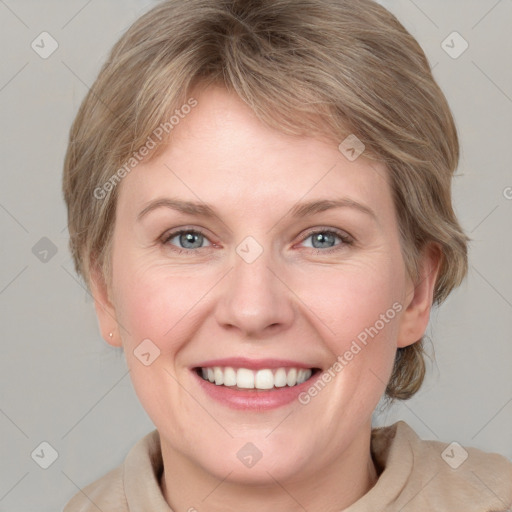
[[106, 493], [449, 476], [133, 485], [482, 478]]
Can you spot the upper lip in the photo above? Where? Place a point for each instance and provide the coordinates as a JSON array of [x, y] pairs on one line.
[[253, 364]]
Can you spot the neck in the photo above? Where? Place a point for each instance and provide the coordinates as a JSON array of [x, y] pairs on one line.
[[338, 485]]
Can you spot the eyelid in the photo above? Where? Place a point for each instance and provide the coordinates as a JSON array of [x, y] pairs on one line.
[[347, 240], [324, 229], [170, 234]]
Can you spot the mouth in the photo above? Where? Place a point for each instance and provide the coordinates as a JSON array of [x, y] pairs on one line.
[[263, 379]]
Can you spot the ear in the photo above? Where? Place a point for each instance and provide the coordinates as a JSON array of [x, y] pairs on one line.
[[105, 310], [419, 296]]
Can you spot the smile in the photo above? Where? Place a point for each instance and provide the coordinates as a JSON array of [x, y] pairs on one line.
[[245, 378], [254, 384]]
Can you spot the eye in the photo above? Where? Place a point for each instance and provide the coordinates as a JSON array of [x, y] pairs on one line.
[[188, 240], [326, 239], [185, 239]]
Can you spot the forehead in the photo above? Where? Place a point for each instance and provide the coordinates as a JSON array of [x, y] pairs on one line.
[[221, 153]]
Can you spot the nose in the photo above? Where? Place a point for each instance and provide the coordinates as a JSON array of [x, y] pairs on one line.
[[255, 299]]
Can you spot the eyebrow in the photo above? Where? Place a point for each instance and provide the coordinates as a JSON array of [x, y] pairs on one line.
[[298, 211]]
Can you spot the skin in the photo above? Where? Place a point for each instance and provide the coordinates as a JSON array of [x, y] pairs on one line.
[[294, 301]]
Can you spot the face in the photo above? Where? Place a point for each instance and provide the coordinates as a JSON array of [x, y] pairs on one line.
[[252, 288]]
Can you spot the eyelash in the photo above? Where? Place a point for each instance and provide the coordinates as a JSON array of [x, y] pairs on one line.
[[345, 238]]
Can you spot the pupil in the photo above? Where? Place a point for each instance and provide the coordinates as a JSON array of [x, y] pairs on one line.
[[322, 238], [189, 238]]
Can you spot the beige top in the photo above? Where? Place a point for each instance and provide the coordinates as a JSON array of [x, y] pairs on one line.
[[415, 475]]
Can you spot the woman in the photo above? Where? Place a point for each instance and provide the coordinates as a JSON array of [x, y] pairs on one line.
[[259, 199]]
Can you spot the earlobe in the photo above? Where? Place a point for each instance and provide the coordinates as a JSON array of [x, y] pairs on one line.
[[419, 297], [105, 310]]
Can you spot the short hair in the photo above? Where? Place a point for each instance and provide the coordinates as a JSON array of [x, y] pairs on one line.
[[329, 68]]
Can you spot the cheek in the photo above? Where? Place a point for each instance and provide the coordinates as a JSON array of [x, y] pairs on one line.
[[155, 302], [153, 306], [354, 298], [358, 313]]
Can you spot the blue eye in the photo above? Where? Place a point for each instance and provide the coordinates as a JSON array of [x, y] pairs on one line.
[[326, 239], [187, 238]]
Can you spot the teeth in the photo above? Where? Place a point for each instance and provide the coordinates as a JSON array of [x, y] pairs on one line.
[[280, 378], [261, 379], [291, 379], [264, 379], [301, 376], [219, 376], [229, 377], [245, 378]]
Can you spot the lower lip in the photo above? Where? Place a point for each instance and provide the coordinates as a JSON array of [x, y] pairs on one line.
[[255, 399]]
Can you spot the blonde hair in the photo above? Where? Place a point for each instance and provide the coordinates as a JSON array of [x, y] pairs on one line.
[[306, 67]]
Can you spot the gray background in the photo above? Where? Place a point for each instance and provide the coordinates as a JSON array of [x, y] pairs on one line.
[[61, 383]]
